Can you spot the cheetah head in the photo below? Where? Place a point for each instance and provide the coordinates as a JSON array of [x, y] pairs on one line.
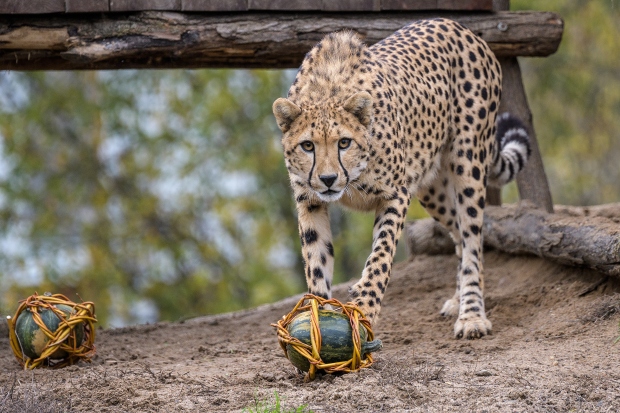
[[325, 147]]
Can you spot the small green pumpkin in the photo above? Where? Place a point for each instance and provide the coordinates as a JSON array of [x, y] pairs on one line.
[[33, 340], [336, 339]]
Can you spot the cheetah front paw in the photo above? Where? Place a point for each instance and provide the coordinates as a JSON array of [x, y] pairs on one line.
[[362, 299], [355, 291], [450, 308], [471, 328]]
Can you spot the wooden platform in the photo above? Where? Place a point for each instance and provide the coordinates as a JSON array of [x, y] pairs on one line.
[[98, 6]]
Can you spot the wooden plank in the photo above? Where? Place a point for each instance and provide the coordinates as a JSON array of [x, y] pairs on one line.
[[214, 5], [469, 5], [285, 5], [408, 5], [140, 5], [532, 180], [352, 5], [32, 6], [87, 6], [265, 40], [453, 5]]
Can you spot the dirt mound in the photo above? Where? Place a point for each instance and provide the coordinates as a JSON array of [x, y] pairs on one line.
[[552, 350]]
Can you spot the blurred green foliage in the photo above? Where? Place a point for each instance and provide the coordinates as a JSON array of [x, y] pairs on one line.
[[156, 194], [163, 194], [575, 98], [119, 187]]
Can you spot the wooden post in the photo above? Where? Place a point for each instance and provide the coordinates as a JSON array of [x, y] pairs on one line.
[[532, 181]]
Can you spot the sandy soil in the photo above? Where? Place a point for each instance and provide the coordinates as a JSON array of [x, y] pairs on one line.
[[552, 351]]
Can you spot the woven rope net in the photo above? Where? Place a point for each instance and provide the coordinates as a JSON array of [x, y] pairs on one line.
[[312, 351], [64, 338]]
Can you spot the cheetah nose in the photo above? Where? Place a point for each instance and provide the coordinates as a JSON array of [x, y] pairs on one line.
[[328, 180]]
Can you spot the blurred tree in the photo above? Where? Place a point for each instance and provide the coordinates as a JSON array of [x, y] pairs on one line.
[[157, 194], [163, 194]]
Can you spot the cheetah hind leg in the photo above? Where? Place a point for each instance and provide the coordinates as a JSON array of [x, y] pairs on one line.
[[451, 306], [438, 201]]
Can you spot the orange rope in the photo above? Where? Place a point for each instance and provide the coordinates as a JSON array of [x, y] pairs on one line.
[[312, 352], [83, 313]]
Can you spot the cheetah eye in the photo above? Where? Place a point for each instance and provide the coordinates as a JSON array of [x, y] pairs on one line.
[[344, 143], [307, 146]]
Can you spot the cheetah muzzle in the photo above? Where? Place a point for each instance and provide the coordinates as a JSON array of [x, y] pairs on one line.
[[370, 127]]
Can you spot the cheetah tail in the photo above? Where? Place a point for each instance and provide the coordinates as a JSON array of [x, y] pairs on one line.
[[514, 150]]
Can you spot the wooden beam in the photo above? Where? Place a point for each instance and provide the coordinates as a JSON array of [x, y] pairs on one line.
[[243, 40]]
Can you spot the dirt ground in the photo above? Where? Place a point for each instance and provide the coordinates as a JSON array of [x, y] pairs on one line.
[[552, 351]]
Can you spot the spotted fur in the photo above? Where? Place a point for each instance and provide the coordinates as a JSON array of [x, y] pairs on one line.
[[370, 127]]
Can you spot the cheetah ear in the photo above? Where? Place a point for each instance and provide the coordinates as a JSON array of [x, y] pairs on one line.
[[360, 105], [285, 112]]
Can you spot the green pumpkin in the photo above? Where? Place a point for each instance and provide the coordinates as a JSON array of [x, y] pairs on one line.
[[336, 340], [33, 340]]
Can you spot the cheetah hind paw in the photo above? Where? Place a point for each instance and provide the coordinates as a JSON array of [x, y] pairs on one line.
[[450, 308], [472, 328]]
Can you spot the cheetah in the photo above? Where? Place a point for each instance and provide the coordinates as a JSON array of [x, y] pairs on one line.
[[368, 127]]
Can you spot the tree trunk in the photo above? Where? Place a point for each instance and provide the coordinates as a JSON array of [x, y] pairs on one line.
[[611, 211], [592, 241]]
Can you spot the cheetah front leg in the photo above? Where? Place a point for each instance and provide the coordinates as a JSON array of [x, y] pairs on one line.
[[316, 246], [389, 222]]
